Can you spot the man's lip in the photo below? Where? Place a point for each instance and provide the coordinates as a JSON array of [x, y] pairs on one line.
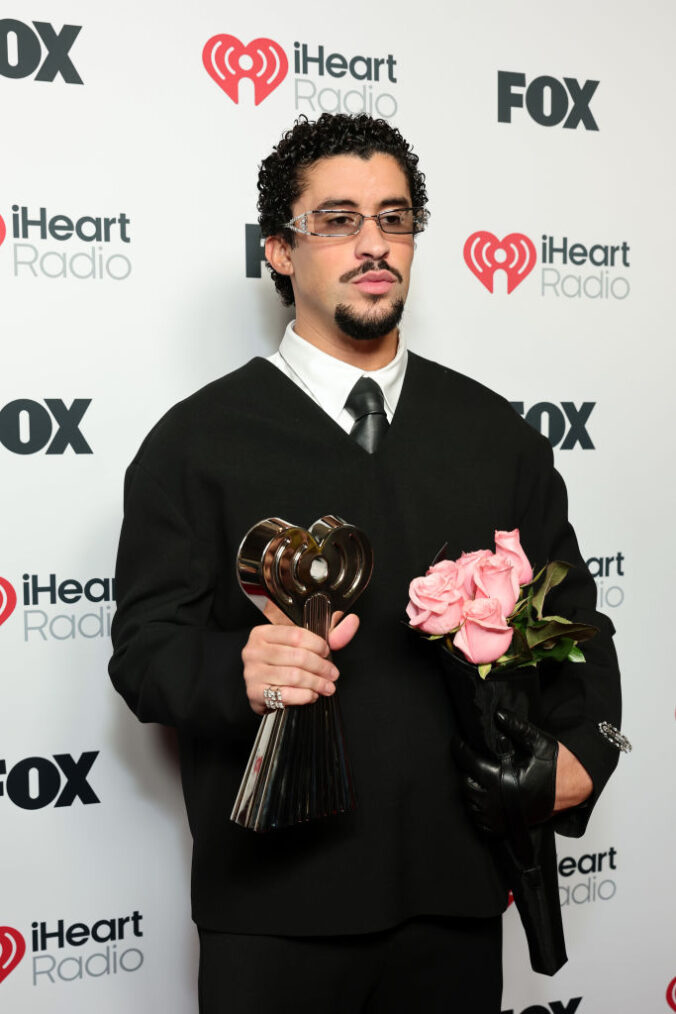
[[375, 283], [375, 276]]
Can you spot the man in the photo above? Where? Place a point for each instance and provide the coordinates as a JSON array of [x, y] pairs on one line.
[[396, 906]]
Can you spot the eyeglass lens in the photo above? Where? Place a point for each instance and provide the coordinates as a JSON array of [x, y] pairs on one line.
[[347, 223]]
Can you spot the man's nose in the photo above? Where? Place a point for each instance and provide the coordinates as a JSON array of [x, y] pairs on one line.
[[372, 241]]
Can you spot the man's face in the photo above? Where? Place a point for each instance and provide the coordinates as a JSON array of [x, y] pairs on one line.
[[357, 284]]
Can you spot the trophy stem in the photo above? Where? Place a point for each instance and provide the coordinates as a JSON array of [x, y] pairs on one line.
[[317, 615]]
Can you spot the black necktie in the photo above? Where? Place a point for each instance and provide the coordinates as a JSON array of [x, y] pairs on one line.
[[366, 405]]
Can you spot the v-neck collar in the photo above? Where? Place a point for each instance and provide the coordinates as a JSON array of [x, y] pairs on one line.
[[398, 419]]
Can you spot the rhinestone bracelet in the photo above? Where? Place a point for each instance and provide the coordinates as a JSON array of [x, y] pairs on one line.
[[615, 737]]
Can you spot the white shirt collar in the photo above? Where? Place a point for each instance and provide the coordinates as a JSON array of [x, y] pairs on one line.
[[329, 380]]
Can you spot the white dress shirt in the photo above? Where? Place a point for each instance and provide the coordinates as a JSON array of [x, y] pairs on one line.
[[328, 381]]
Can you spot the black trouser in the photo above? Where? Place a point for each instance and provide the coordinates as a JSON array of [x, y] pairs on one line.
[[431, 965]]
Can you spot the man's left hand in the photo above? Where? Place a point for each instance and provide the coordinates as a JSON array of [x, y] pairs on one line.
[[549, 776]]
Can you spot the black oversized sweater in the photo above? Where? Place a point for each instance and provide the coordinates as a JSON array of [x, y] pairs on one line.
[[456, 463]]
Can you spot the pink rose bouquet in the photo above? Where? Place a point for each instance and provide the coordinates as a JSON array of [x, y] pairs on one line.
[[488, 608]]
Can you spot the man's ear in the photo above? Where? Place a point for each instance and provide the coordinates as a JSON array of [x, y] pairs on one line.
[[277, 252]]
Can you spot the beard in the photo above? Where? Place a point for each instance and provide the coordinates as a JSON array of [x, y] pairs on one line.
[[369, 325]]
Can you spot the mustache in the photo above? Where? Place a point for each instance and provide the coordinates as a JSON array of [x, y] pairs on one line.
[[363, 269]]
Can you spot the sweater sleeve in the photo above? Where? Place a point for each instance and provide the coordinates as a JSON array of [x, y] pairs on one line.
[[171, 663], [575, 696]]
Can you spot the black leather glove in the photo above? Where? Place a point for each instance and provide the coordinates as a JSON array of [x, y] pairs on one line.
[[532, 772]]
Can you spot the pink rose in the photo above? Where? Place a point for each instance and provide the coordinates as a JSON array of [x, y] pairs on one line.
[[496, 577], [466, 564], [509, 544], [435, 605], [484, 636], [449, 569]]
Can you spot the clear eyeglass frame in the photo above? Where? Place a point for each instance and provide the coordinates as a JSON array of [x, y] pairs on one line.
[[416, 223]]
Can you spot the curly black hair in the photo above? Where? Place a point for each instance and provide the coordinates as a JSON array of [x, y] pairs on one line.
[[281, 174]]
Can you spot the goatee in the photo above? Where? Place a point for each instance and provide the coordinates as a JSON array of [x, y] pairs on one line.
[[370, 325]]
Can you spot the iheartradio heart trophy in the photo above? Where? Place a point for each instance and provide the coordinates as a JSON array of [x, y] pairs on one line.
[[298, 769]]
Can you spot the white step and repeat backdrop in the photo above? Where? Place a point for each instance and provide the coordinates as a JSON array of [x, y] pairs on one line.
[[130, 275]]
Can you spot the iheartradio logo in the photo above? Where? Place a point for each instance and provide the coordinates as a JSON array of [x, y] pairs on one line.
[[12, 950], [671, 994], [485, 254], [227, 61], [7, 600]]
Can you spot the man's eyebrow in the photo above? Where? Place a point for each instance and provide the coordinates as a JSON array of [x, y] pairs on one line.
[[395, 202], [345, 202], [337, 202]]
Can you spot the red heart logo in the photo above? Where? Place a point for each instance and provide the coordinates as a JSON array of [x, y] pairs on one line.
[[484, 254], [227, 61], [7, 600], [12, 950], [3, 230], [671, 994]]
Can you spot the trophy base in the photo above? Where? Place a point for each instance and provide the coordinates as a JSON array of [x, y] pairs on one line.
[[298, 769]]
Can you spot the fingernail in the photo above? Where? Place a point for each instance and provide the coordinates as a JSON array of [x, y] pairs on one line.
[[334, 673], [330, 688]]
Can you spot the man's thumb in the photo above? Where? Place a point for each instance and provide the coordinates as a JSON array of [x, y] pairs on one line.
[[343, 632]]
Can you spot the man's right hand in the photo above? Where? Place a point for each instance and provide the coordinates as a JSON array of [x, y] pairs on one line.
[[280, 654]]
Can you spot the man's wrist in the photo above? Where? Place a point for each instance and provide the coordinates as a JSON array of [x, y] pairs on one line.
[[573, 782]]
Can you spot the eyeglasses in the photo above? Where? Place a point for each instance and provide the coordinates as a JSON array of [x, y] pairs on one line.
[[334, 223]]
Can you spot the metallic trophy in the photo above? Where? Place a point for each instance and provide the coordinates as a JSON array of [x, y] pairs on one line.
[[298, 769]]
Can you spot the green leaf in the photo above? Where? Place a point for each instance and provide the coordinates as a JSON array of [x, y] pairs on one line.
[[575, 655], [518, 608], [559, 650], [555, 572], [519, 622], [513, 664], [519, 643], [553, 631], [583, 631], [484, 670], [519, 652]]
